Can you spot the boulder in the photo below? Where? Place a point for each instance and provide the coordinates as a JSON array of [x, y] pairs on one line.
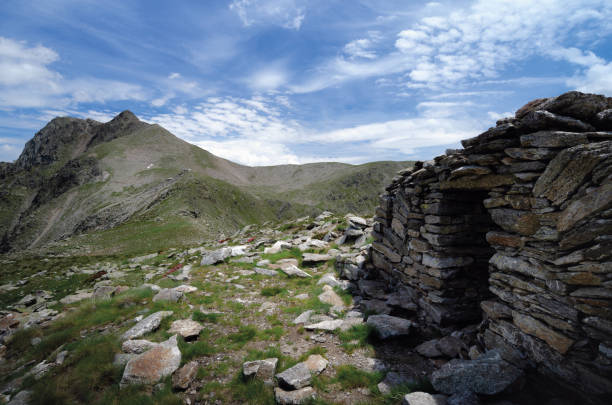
[[21, 398], [216, 256], [463, 398], [388, 326], [277, 247], [149, 367], [150, 323], [392, 380], [168, 294], [423, 398], [488, 375], [309, 259], [325, 325], [329, 296], [137, 346], [316, 363], [295, 377], [293, 271], [429, 349], [303, 317], [185, 375], [296, 397], [331, 280], [261, 369], [265, 272], [187, 328]]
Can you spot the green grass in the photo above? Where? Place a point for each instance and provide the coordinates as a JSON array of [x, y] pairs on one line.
[[272, 291], [199, 316], [349, 376], [293, 253], [357, 336], [244, 335], [196, 349]]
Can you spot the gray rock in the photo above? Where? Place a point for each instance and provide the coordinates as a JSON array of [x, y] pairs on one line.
[[137, 346], [309, 259], [261, 369], [388, 326], [187, 328], [451, 346], [463, 398], [429, 349], [277, 247], [331, 280], [150, 323], [185, 375], [22, 398], [79, 296], [295, 377], [392, 380], [294, 397], [149, 367], [316, 363], [168, 294], [356, 222], [265, 272], [216, 256], [423, 398], [325, 325], [329, 296], [303, 317], [294, 271], [489, 375]]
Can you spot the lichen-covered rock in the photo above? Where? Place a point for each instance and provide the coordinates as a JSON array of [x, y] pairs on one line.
[[261, 369], [150, 366], [185, 375], [296, 397]]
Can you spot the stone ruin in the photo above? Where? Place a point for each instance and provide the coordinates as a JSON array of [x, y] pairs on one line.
[[514, 232]]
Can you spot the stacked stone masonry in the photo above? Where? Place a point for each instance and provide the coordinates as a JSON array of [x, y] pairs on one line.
[[515, 230]]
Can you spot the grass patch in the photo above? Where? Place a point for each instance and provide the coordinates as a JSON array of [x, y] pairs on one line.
[[244, 335], [271, 291], [293, 253], [274, 333], [349, 376], [196, 349], [356, 337], [200, 316]]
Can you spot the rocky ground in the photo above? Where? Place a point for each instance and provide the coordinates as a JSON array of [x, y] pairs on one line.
[[281, 314]]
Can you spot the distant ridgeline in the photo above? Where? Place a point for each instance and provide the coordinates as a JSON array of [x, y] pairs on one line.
[[514, 230]]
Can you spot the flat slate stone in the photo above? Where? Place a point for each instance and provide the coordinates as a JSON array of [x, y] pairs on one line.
[[149, 324], [292, 270], [488, 375], [294, 397], [295, 377], [185, 375], [261, 369], [388, 326], [423, 398]]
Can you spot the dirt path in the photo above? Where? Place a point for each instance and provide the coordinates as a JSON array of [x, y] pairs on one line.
[[57, 213]]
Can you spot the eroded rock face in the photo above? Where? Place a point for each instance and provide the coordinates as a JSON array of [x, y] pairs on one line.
[[515, 228], [152, 365]]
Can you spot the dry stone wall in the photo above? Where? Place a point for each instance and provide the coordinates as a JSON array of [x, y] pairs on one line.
[[515, 230]]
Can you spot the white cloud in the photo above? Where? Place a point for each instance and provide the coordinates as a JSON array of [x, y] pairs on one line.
[[285, 13], [269, 78], [259, 131], [596, 79], [28, 81], [174, 75], [467, 46], [362, 48]]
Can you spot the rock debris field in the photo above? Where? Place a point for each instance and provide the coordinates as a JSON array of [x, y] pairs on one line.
[[272, 315]]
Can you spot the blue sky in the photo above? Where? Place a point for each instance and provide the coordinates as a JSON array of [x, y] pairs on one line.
[[266, 82]]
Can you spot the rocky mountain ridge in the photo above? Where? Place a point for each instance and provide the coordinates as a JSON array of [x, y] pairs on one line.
[[79, 176]]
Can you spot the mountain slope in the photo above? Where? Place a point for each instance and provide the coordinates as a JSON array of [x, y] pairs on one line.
[[78, 177]]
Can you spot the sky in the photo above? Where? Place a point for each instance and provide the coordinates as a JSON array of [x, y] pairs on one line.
[[266, 82]]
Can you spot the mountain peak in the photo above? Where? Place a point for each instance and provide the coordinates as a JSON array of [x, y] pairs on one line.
[[126, 116]]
